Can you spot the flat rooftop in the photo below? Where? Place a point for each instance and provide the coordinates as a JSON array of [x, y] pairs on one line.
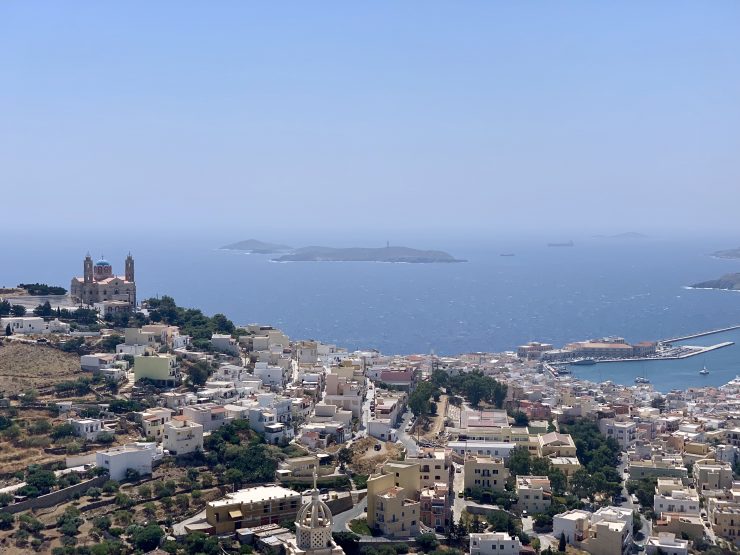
[[256, 494]]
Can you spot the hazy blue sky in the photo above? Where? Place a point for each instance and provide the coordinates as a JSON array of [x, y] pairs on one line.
[[254, 119]]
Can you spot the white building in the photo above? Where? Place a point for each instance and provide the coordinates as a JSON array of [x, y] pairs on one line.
[[271, 376], [491, 448], [666, 543], [224, 343], [671, 496], [182, 436], [88, 428], [490, 543], [33, 325], [134, 456], [624, 432]]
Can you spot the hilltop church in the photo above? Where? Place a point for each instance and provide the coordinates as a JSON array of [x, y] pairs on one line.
[[98, 283]]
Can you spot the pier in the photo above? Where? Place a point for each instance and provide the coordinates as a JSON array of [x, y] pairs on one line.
[[700, 334]]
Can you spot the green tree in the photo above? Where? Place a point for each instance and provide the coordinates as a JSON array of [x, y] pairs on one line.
[[6, 520], [427, 542], [520, 418], [18, 310], [561, 542], [43, 480], [234, 476], [520, 461], [147, 538], [198, 373]]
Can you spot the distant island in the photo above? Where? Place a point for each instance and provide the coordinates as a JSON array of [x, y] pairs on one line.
[[383, 254], [253, 246], [330, 254], [730, 282], [732, 254], [626, 235]]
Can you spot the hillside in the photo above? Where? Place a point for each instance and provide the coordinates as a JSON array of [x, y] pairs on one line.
[[728, 281], [728, 253]]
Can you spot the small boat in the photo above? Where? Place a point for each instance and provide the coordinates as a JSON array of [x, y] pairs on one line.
[[641, 379], [507, 254], [567, 244], [584, 362], [704, 371]]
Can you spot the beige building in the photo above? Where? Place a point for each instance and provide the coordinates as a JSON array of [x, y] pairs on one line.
[[182, 436], [161, 369], [153, 421], [392, 500], [711, 475], [485, 472], [724, 516], [394, 513], [556, 444], [534, 493], [567, 465], [251, 507], [98, 284]]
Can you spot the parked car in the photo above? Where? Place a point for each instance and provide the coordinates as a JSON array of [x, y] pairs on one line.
[[377, 447]]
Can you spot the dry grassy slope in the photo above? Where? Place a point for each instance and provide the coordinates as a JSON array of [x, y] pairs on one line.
[[24, 366]]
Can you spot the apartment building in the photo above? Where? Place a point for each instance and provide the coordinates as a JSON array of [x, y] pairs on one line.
[[711, 475], [209, 415], [659, 466], [485, 472], [256, 506], [672, 496], [160, 369], [394, 512], [153, 420], [624, 432], [534, 493], [182, 436]]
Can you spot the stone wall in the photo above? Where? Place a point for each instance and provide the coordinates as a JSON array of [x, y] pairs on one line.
[[55, 497]]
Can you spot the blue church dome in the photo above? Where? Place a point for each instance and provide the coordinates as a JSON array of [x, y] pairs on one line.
[[102, 262]]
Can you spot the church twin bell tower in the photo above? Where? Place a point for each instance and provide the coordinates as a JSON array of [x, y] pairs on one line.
[[98, 284]]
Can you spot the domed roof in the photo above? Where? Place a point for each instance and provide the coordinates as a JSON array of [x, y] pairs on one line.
[[316, 513], [102, 262]]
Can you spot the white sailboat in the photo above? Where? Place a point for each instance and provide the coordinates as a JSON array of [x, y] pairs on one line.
[[704, 371]]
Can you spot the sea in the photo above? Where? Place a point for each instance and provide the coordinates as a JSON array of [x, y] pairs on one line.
[[634, 288]]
